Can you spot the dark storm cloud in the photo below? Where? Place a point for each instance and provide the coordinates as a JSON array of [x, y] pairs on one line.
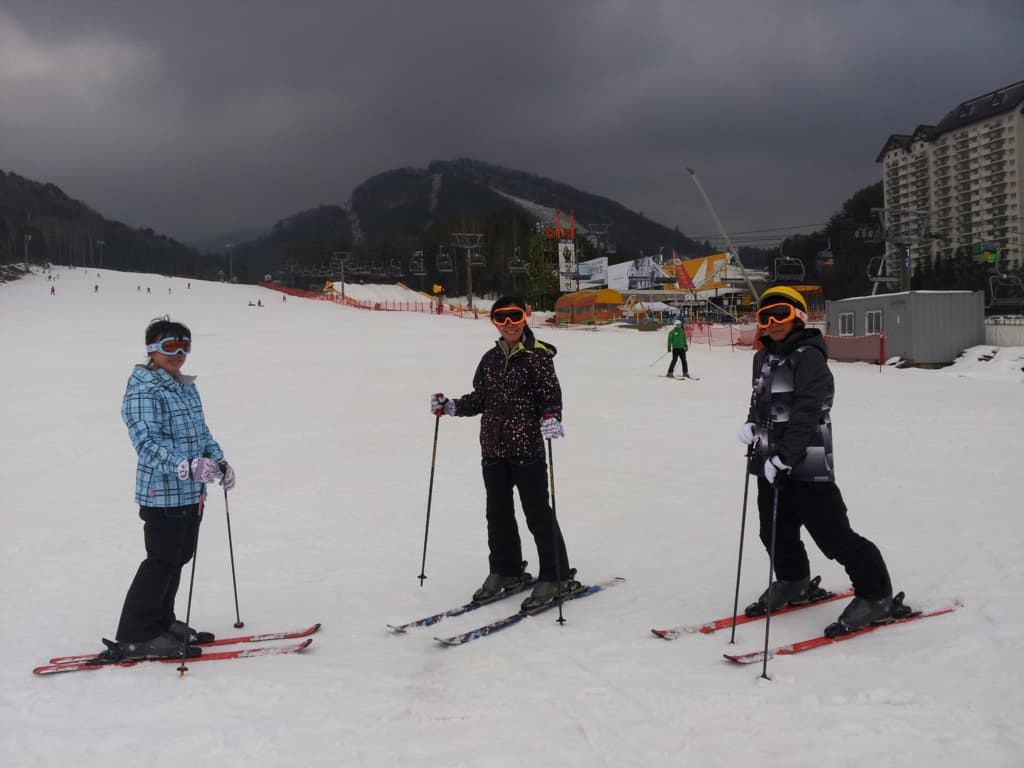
[[198, 118]]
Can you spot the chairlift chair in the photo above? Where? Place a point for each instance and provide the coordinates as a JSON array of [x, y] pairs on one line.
[[378, 269], [515, 264], [395, 268], [789, 269], [444, 262], [417, 266], [1006, 295], [477, 259]]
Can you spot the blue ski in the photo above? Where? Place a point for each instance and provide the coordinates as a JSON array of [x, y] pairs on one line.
[[499, 624]]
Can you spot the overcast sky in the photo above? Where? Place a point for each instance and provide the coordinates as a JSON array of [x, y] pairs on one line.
[[198, 118]]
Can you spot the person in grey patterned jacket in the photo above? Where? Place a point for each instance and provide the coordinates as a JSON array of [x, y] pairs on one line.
[[790, 431], [177, 458], [519, 400]]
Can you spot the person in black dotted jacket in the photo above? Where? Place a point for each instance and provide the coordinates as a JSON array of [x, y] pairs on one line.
[[790, 430], [519, 400]]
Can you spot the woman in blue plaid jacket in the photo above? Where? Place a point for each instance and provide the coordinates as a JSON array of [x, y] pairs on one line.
[[177, 457]]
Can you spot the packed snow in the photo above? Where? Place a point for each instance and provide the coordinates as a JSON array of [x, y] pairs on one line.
[[323, 411]]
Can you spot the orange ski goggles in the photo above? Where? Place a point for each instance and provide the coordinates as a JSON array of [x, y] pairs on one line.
[[508, 316], [779, 313], [178, 345]]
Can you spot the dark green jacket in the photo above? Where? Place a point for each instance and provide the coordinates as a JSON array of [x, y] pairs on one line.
[[677, 338]]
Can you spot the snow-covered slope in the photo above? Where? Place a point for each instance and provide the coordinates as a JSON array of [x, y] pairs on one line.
[[323, 410]]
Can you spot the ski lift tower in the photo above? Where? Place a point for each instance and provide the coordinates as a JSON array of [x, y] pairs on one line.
[[338, 261], [470, 243], [732, 248], [903, 229]]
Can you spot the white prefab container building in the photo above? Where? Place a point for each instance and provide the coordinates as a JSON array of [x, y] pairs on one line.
[[921, 327]]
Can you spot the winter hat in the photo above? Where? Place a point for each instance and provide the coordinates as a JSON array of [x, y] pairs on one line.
[[679, 323]]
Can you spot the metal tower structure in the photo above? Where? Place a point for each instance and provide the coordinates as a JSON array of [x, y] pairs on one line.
[[470, 243]]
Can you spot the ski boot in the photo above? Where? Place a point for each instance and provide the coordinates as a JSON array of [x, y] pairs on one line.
[[862, 612], [496, 586], [195, 637], [547, 592], [163, 646], [783, 593]]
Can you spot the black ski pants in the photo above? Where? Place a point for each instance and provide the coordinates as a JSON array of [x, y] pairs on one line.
[[819, 507], [170, 534], [679, 354], [529, 476]]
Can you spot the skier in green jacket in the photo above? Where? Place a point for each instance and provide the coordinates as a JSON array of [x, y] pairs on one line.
[[677, 346]]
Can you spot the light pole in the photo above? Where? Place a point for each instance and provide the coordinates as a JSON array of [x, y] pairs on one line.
[[28, 239], [230, 247]]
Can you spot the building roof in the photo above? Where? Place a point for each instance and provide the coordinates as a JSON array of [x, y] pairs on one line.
[[997, 102], [983, 107], [895, 141], [924, 133]]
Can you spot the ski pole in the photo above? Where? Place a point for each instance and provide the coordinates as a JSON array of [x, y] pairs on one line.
[[743, 525], [191, 581], [771, 571], [652, 364], [231, 552], [555, 533], [430, 496]]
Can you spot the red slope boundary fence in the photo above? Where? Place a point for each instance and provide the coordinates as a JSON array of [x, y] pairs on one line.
[[841, 349], [427, 306]]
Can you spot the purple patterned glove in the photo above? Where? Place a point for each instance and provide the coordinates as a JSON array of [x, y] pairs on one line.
[[204, 470], [228, 480]]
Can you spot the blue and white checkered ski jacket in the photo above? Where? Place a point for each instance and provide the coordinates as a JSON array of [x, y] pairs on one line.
[[166, 425]]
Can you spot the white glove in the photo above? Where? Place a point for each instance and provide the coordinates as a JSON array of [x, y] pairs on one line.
[[773, 467], [441, 405], [746, 434], [551, 428]]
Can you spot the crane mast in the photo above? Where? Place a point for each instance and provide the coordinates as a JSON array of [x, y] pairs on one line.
[[732, 248]]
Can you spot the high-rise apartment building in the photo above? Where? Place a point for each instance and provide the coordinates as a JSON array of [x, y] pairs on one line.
[[957, 185]]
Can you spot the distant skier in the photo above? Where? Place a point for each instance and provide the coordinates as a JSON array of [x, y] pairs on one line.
[[517, 393], [96, 289], [53, 290], [790, 428], [177, 458], [677, 345]]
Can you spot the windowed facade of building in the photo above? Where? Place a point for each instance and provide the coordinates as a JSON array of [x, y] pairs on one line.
[[957, 184]]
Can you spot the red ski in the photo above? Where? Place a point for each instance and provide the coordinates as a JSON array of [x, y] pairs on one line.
[[91, 657], [238, 653], [817, 642], [818, 597]]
